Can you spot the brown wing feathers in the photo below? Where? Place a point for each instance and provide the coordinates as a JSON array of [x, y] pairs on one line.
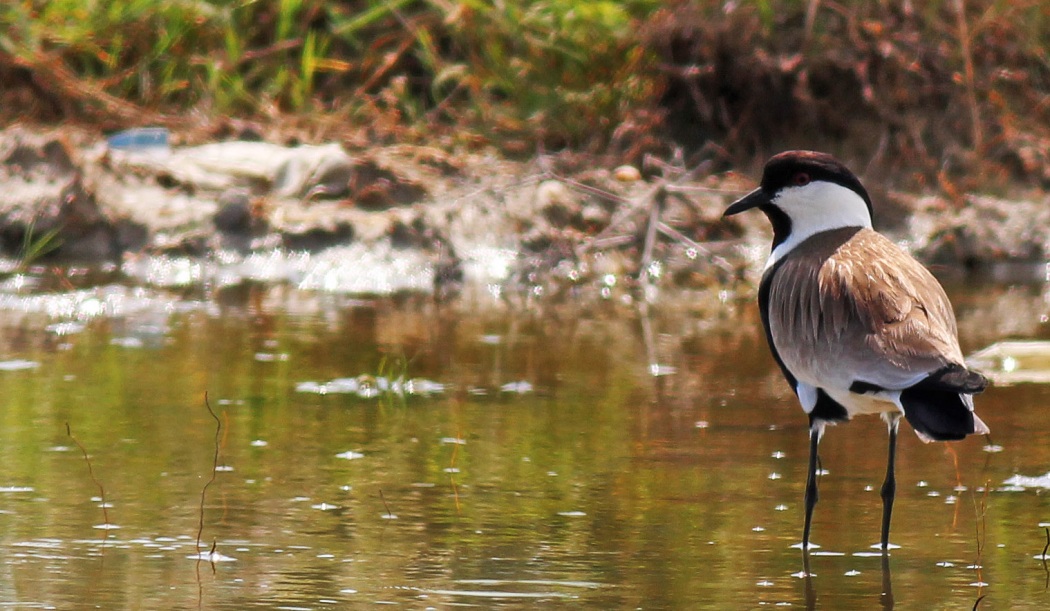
[[849, 305], [908, 312], [854, 291]]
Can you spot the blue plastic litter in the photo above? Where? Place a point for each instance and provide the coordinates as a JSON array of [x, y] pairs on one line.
[[139, 139]]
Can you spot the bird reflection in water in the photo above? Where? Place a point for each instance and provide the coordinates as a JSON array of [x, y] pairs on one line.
[[885, 596]]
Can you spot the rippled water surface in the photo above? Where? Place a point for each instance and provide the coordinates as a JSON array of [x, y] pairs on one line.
[[488, 453]]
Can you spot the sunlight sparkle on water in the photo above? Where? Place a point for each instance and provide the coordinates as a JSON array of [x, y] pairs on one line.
[[376, 269], [210, 556], [1022, 482], [656, 370], [521, 387], [65, 328]]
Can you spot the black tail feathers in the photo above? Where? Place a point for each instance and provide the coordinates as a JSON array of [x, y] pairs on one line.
[[939, 407], [955, 378], [937, 414]]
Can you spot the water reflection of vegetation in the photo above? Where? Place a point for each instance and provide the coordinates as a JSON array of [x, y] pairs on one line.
[[658, 492]]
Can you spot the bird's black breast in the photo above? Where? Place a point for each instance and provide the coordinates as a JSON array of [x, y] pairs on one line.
[[764, 288], [827, 409]]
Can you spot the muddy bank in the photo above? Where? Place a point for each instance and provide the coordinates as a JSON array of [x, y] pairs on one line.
[[414, 218]]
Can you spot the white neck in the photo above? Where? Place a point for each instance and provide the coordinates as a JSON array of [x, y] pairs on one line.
[[814, 208]]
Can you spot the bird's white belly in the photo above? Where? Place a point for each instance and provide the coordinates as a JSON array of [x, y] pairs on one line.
[[867, 403], [835, 380]]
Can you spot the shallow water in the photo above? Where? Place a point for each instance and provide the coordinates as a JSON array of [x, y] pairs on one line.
[[544, 464]]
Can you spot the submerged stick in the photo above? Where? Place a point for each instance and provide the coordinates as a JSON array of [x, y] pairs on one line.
[[452, 473], [981, 528], [1046, 569], [214, 470], [91, 472], [389, 514]]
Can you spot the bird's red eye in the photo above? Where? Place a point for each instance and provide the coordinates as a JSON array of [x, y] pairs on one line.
[[800, 180]]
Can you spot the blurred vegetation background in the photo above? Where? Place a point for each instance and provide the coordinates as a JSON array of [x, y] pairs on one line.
[[956, 91]]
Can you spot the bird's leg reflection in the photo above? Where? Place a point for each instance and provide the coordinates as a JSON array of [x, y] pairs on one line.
[[807, 576], [886, 598]]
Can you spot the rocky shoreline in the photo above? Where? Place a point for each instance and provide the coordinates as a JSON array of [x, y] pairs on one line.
[[534, 224]]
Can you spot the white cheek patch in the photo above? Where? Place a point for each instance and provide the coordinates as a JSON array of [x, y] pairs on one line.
[[817, 207]]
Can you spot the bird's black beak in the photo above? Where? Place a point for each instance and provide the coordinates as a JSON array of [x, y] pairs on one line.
[[753, 199]]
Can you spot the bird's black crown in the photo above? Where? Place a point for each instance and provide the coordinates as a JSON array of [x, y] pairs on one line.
[[784, 169]]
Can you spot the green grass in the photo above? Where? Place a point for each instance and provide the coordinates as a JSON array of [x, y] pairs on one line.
[[560, 67], [35, 247], [533, 74]]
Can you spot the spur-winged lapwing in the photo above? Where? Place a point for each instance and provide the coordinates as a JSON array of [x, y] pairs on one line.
[[856, 324]]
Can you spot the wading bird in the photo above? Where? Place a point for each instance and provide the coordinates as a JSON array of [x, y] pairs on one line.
[[856, 324]]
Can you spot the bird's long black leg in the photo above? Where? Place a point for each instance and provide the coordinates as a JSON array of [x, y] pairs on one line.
[[889, 487], [811, 483]]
